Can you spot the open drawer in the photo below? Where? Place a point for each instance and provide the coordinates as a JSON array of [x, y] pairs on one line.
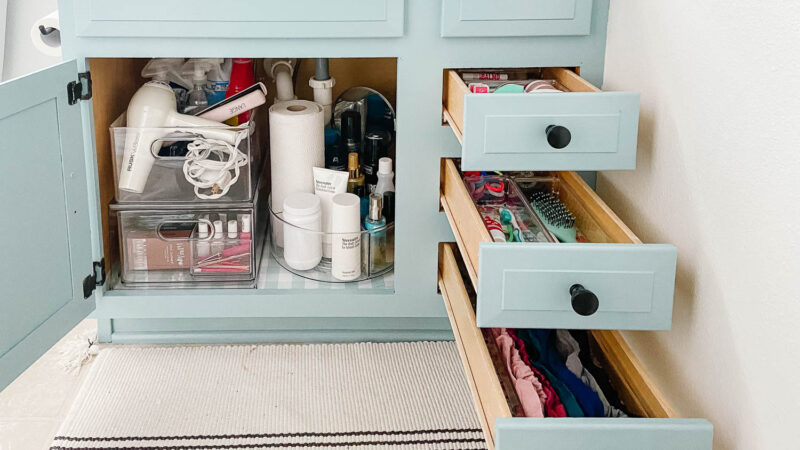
[[579, 129], [528, 285], [656, 429]]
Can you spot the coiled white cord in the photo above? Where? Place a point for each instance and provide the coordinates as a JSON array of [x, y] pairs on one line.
[[209, 163]]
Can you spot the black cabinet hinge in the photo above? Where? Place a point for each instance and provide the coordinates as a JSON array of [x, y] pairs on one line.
[[97, 278], [80, 89]]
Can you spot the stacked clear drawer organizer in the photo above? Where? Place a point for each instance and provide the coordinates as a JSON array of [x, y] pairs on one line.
[[193, 219]]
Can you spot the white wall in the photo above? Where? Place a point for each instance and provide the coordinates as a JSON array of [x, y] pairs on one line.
[[20, 55], [718, 175]]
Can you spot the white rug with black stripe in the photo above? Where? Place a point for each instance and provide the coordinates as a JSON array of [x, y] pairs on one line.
[[362, 396]]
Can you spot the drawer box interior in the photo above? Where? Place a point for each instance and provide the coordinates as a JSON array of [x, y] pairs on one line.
[[455, 89], [528, 284], [539, 119], [632, 384], [115, 80]]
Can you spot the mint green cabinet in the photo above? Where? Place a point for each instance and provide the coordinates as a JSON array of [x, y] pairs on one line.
[[239, 19], [47, 245], [603, 434], [478, 18]]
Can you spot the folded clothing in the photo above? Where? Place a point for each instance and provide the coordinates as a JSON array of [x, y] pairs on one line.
[[550, 400], [528, 388], [549, 360], [569, 349]]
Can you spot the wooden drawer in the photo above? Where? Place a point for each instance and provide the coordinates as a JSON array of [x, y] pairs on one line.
[[478, 18], [657, 429], [240, 19], [527, 285], [510, 131]]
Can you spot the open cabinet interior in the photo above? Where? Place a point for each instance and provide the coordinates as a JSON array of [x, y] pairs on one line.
[[116, 80]]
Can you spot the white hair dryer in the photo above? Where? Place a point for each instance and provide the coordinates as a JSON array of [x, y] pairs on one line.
[[152, 114]]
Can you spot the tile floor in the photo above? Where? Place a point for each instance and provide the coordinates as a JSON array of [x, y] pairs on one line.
[[33, 406]]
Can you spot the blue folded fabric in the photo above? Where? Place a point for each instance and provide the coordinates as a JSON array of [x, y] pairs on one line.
[[550, 359]]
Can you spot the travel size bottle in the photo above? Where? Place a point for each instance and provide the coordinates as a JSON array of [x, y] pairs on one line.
[[385, 176], [356, 177], [374, 224]]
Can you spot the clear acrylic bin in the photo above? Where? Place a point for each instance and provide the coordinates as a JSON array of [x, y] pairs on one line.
[[166, 181], [505, 210], [376, 249], [184, 248]]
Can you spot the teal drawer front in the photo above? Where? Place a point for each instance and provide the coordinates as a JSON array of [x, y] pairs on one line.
[[529, 286], [603, 434], [240, 19], [479, 18], [510, 131]]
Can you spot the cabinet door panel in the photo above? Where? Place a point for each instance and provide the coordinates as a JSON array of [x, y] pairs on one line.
[[45, 204], [479, 18], [240, 19]]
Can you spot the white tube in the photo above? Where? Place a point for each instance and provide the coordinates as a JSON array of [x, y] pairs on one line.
[[323, 94], [328, 183], [282, 72]]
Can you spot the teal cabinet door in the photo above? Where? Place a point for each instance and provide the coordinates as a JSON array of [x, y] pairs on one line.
[[622, 286], [46, 244], [480, 18], [239, 19], [603, 434], [514, 131]]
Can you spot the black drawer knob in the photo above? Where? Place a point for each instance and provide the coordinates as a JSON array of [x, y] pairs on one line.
[[558, 137], [584, 302]]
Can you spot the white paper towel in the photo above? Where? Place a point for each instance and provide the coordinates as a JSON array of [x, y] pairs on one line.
[[49, 44], [296, 144]]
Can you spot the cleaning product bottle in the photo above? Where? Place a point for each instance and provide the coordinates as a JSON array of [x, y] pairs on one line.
[[242, 77], [196, 98], [168, 70], [385, 175], [218, 79]]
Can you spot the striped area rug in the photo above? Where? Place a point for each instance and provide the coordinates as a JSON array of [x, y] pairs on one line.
[[340, 396]]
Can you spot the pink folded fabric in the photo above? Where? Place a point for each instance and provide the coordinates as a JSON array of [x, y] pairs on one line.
[[552, 403], [529, 389]]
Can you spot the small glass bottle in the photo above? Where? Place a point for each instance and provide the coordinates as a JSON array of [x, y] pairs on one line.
[[375, 224], [356, 177], [361, 192]]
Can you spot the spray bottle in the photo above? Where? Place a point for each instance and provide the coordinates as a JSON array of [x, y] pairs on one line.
[[219, 78], [196, 98], [168, 70]]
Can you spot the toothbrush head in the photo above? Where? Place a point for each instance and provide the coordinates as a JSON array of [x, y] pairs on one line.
[[556, 217]]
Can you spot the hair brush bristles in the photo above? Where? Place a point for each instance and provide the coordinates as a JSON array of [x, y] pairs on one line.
[[558, 219]]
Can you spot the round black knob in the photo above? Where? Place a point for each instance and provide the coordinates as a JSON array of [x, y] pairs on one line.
[[558, 137], [584, 302]]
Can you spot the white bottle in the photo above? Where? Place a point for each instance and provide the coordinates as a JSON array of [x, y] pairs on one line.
[[385, 175], [217, 241], [302, 237], [346, 229], [203, 246]]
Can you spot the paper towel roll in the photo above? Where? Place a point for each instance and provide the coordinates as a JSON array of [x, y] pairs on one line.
[[50, 43], [296, 144]]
